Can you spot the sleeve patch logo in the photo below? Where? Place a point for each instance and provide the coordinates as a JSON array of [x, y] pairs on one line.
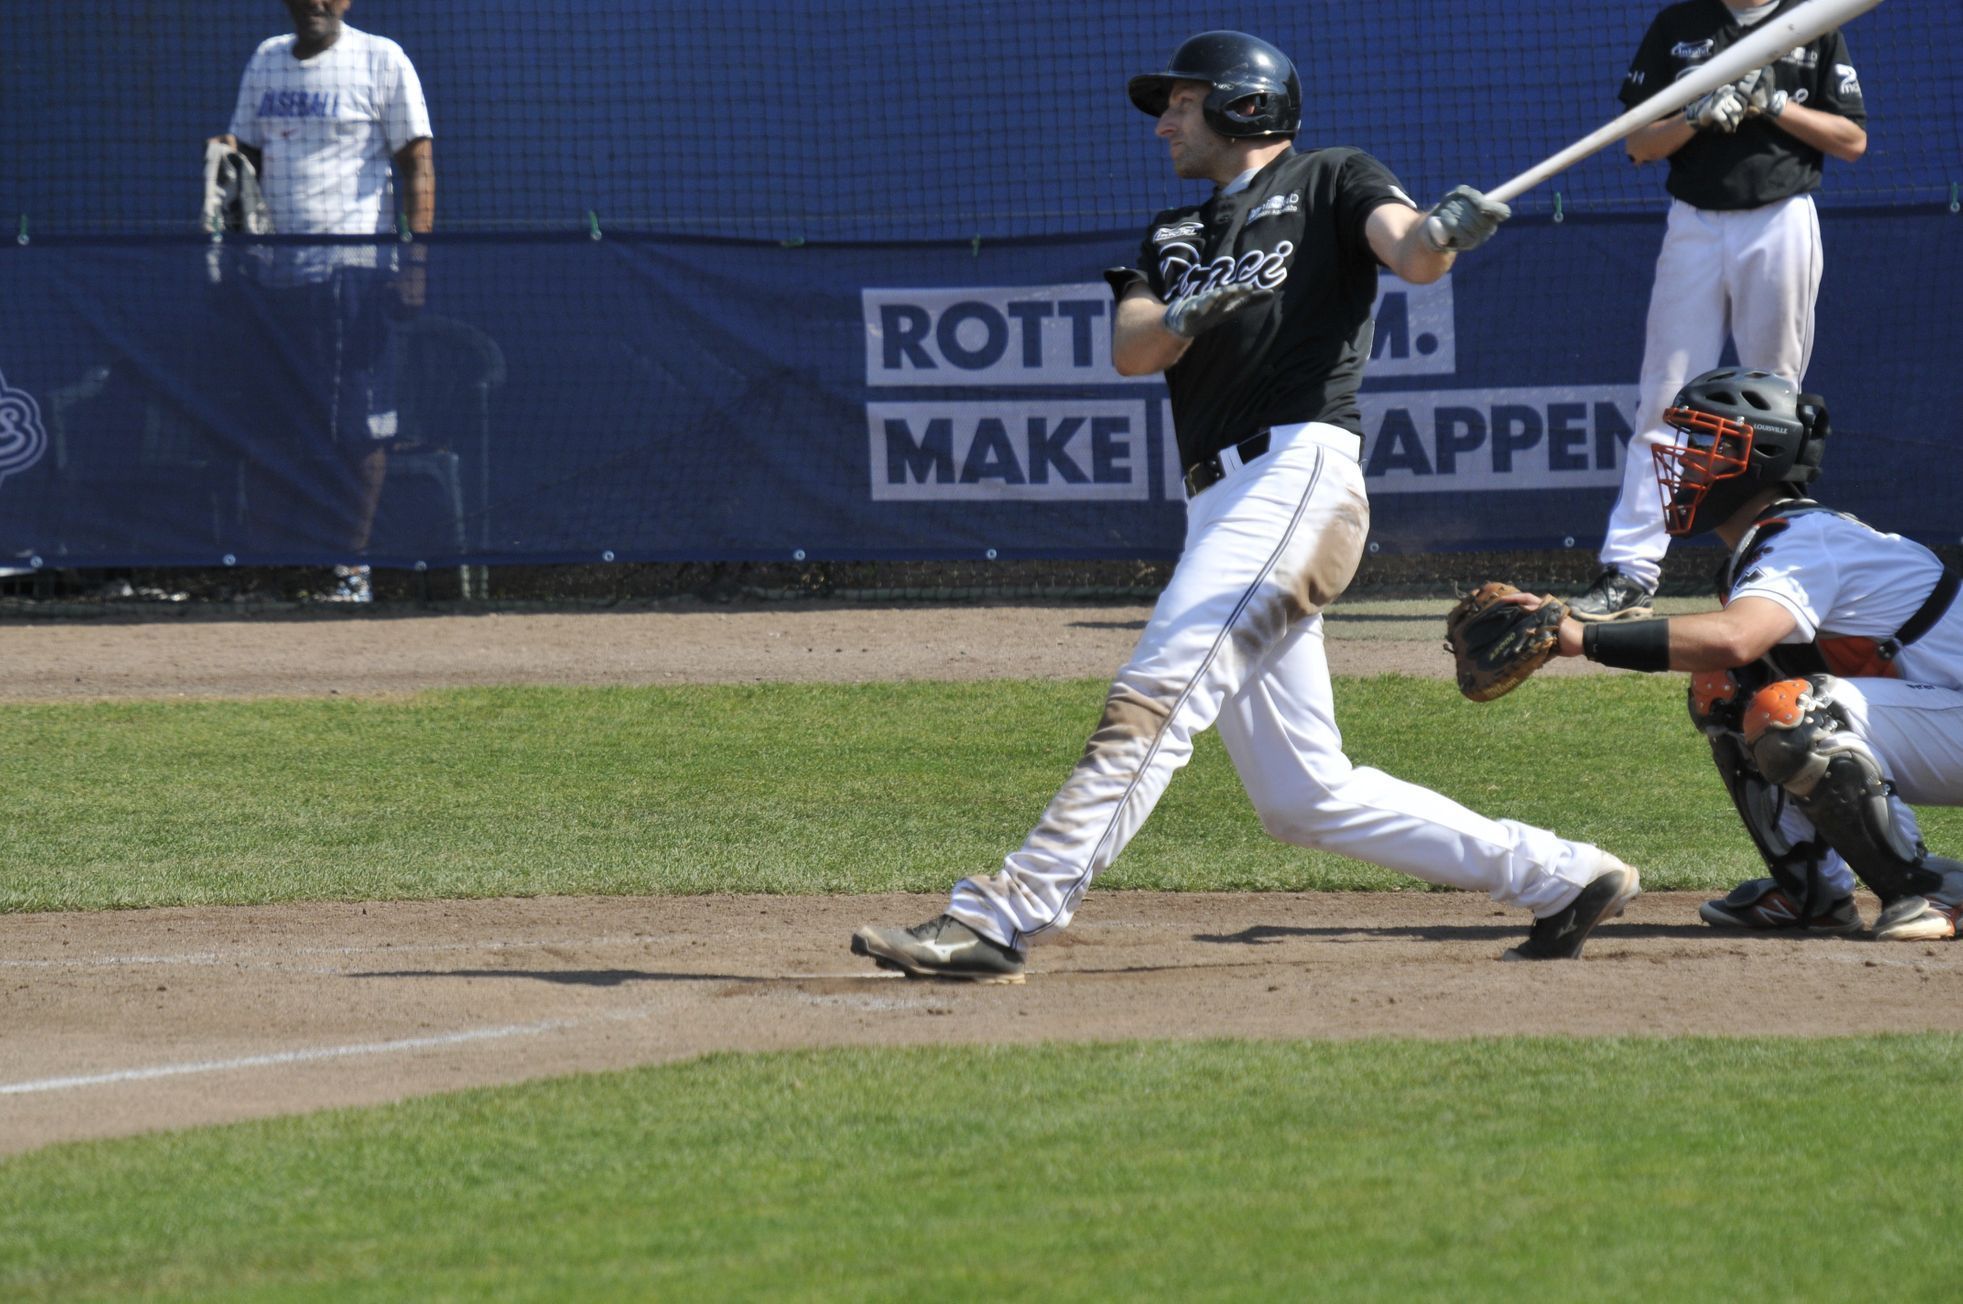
[[1178, 231]]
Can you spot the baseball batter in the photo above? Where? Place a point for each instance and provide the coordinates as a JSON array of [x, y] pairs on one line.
[[1830, 685], [1256, 307], [1741, 251]]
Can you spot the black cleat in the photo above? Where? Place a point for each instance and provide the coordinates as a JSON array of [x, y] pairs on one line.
[[940, 948], [1561, 934], [1613, 596]]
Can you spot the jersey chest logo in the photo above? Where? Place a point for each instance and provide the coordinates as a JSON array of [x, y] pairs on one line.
[[1182, 272], [1275, 206], [1694, 51], [300, 104]]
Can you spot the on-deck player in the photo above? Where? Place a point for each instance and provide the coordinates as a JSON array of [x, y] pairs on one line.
[[1256, 306], [1741, 251], [1830, 685]]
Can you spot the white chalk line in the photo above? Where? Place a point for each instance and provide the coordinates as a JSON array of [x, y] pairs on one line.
[[276, 1059]]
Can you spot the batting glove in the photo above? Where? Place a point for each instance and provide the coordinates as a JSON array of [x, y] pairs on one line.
[[1196, 313], [1762, 99], [1722, 110], [1464, 219]]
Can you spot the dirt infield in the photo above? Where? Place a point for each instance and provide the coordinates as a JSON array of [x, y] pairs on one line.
[[684, 642], [120, 1022]]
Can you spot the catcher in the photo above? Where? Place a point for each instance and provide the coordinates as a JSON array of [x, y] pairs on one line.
[[1830, 685]]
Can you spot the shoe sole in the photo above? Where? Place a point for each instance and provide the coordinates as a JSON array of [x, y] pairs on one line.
[[1614, 911], [900, 964], [1928, 928]]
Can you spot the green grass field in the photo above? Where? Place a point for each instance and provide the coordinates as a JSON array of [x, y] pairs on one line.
[[776, 788], [1596, 1169], [1472, 1170]]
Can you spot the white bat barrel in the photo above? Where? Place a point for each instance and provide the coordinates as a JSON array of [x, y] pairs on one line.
[[1769, 40]]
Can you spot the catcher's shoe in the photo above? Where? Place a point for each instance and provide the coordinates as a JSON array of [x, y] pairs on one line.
[[1761, 905], [1923, 918], [1561, 934], [940, 948], [1614, 596]]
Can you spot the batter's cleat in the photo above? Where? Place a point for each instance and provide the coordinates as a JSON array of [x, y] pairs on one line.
[[1561, 934], [940, 948], [1918, 919], [1762, 906], [1614, 596]]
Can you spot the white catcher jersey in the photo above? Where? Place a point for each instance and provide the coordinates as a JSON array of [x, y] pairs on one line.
[[1843, 579], [328, 128]]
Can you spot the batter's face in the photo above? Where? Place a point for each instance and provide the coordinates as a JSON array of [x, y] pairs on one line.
[[1198, 151]]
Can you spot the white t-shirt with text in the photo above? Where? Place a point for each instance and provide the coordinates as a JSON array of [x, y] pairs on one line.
[[327, 129]]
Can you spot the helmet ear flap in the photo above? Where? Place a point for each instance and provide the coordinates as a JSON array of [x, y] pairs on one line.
[[1812, 412]]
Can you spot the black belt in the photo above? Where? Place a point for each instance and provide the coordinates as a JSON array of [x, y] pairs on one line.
[[1206, 474]]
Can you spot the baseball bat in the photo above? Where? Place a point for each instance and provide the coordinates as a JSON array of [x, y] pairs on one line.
[[1767, 42]]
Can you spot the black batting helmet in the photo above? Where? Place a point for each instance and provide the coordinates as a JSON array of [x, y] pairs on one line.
[[1255, 89], [1738, 432]]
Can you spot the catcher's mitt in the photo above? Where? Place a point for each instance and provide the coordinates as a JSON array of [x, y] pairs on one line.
[[1497, 644]]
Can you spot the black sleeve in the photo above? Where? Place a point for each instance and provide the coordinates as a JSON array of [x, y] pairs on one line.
[[1836, 86], [1145, 272], [1121, 279], [1650, 71], [1363, 185]]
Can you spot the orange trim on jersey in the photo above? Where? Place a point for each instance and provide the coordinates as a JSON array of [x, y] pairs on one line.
[[1776, 706]]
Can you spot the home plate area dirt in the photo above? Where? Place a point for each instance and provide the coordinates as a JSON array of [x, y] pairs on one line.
[[127, 1021]]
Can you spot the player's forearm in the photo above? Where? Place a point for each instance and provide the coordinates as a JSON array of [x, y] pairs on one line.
[[417, 169], [1140, 343], [1707, 641], [1659, 140], [1396, 236], [1831, 134]]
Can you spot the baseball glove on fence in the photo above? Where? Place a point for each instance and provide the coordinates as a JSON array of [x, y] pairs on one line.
[[1497, 644]]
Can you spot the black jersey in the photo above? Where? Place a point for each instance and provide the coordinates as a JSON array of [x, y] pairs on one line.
[[1759, 163], [1298, 356]]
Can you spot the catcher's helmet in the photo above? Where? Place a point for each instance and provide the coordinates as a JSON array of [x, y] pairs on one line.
[[1255, 89], [1738, 432]]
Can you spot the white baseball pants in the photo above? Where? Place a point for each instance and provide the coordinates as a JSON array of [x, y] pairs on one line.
[[1916, 732], [1753, 274], [1236, 639]]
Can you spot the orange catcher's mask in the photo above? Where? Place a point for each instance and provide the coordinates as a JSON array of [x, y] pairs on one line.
[[1709, 449]]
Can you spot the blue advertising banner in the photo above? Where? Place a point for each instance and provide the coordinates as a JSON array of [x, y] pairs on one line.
[[166, 401]]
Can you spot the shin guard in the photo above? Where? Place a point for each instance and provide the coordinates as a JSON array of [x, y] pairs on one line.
[[1717, 701], [1799, 739]]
